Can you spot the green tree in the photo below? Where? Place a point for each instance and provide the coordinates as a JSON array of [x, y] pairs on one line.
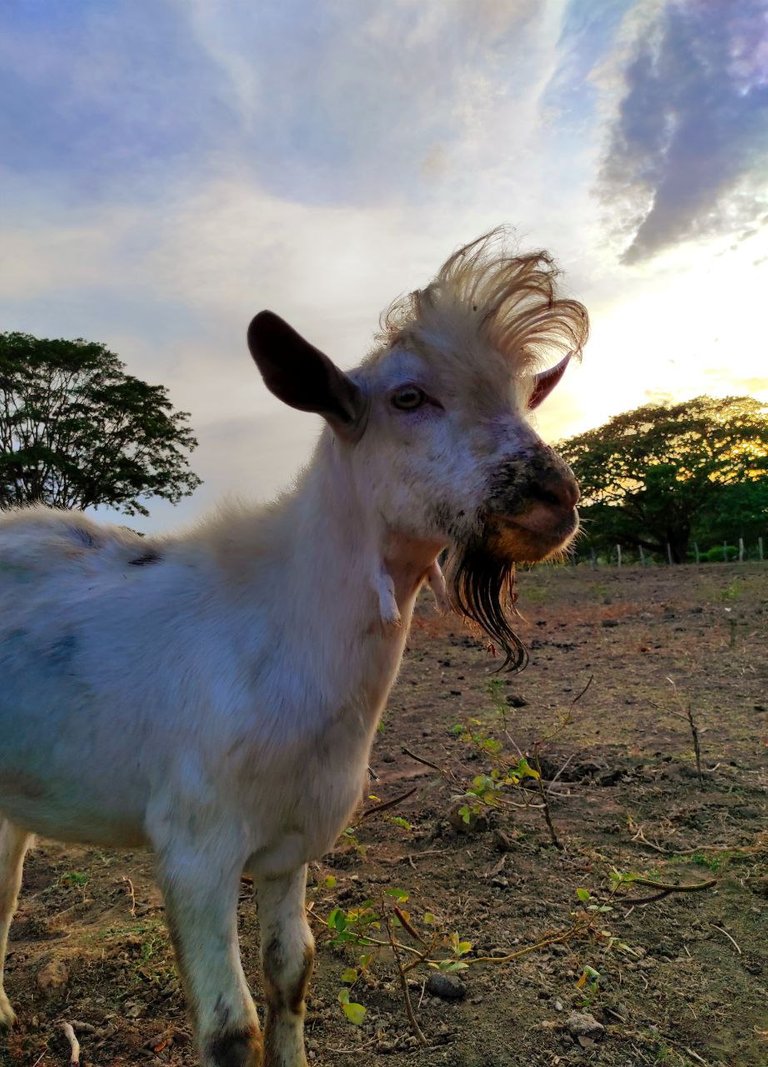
[[76, 431], [659, 474]]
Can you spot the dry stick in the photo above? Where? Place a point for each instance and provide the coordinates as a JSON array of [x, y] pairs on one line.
[[696, 746], [133, 895], [387, 804], [545, 804], [420, 759], [566, 935], [687, 713], [406, 992], [722, 931], [666, 889], [537, 764], [638, 836], [74, 1045]]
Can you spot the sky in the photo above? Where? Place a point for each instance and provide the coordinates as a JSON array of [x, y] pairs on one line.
[[170, 167]]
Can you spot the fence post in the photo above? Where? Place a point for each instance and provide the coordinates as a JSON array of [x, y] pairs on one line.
[[725, 551], [741, 550], [593, 558], [696, 550], [760, 548], [669, 553], [642, 556], [618, 554]]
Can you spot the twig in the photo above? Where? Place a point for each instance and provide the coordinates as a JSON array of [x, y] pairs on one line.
[[722, 931], [638, 835], [133, 895], [426, 762], [686, 713], [387, 804], [409, 857], [406, 992], [550, 784], [74, 1045], [696, 745], [578, 697], [545, 803], [665, 889], [555, 939]]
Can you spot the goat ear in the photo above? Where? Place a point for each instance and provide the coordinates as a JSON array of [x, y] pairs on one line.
[[546, 380], [303, 377]]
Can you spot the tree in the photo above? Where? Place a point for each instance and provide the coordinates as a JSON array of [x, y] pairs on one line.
[[76, 431], [656, 475]]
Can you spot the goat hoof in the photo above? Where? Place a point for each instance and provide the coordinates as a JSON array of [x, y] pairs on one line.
[[236, 1048]]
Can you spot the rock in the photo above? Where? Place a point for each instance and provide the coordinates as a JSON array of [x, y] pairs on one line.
[[583, 1025], [466, 821], [446, 986], [609, 623], [52, 977]]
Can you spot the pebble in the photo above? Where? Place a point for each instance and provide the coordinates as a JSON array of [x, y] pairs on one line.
[[446, 986], [582, 1024]]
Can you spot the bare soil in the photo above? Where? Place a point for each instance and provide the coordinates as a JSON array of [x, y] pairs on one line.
[[679, 980]]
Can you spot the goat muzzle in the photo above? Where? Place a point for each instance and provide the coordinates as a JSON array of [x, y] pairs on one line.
[[542, 521]]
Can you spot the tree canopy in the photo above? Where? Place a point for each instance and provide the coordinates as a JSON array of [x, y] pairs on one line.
[[77, 431], [663, 474]]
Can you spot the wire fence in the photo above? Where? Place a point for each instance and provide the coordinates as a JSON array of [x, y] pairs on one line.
[[741, 551]]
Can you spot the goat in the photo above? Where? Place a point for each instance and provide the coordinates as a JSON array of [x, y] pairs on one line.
[[214, 695]]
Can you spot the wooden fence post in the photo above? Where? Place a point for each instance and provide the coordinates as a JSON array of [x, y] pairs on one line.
[[696, 550], [741, 550], [760, 548], [669, 553]]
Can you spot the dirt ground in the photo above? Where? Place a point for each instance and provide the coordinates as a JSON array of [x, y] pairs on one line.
[[600, 973]]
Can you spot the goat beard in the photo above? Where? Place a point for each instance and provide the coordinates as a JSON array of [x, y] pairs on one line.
[[482, 586]]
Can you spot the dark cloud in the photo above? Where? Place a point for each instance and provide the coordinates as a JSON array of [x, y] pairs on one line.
[[688, 151]]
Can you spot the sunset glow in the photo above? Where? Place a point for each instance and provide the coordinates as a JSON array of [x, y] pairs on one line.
[[169, 169]]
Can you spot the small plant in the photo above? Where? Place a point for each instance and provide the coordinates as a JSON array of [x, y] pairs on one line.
[[75, 878], [490, 790], [589, 984], [686, 712]]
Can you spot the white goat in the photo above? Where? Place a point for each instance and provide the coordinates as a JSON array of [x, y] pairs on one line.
[[215, 695]]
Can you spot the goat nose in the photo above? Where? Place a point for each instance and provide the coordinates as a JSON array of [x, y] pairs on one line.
[[560, 492]]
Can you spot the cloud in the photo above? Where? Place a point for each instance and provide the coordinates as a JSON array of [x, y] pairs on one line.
[[104, 96], [687, 152], [362, 104]]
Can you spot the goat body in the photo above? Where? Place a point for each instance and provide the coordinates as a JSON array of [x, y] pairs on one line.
[[215, 695]]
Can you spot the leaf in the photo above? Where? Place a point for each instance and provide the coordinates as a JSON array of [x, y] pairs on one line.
[[400, 895], [337, 920], [354, 1012], [584, 895], [330, 881], [349, 975], [429, 918]]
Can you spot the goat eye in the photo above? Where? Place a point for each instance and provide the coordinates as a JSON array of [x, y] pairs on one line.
[[409, 398]]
